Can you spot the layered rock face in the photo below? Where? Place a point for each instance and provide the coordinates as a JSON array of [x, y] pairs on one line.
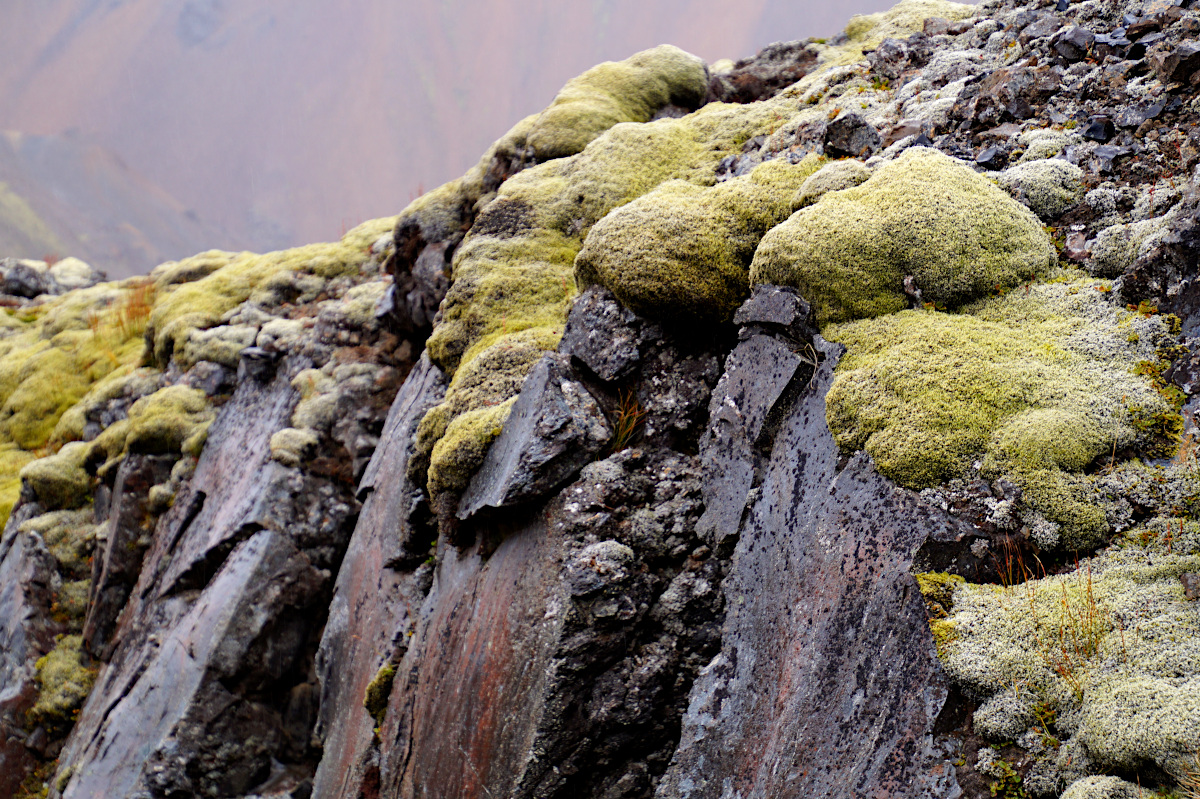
[[815, 425]]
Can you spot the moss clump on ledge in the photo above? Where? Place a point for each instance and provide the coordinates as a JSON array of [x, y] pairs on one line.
[[1037, 384], [378, 691], [682, 252], [66, 678], [924, 215]]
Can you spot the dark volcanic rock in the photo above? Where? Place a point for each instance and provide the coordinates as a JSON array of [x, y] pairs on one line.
[[1175, 64], [555, 428], [851, 135], [1074, 43], [773, 69], [602, 334], [378, 593], [825, 641]]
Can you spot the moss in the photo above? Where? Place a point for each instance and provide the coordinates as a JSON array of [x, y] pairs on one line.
[[455, 435], [171, 420], [70, 536], [183, 308], [1118, 246], [59, 481], [65, 677], [292, 447], [683, 251], [613, 92], [926, 215], [1045, 143], [834, 176], [1110, 649], [1036, 382], [464, 445], [938, 589], [1048, 187], [378, 691], [1100, 787]]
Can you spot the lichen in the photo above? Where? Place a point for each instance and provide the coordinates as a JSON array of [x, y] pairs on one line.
[[924, 215], [682, 252], [1109, 650], [1035, 384]]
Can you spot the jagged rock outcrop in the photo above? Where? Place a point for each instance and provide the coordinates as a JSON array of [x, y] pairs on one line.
[[662, 455]]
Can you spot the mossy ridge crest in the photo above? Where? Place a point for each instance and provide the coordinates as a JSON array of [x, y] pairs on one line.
[[1036, 384], [924, 215]]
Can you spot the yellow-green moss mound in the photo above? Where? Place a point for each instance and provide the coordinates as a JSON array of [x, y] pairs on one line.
[[612, 92], [65, 676], [926, 215], [1037, 384], [683, 251]]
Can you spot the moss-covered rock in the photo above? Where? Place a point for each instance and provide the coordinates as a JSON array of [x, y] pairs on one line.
[[220, 282], [834, 176], [1048, 187], [682, 252], [1110, 651], [171, 420], [926, 215], [65, 677], [613, 92], [292, 447], [1036, 384], [59, 481]]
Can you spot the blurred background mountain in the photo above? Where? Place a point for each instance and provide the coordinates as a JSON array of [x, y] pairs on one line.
[[146, 130]]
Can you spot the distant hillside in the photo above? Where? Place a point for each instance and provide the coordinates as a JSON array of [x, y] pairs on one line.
[[287, 122], [59, 197]]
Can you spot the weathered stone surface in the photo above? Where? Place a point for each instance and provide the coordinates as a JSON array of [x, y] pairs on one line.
[[1074, 43], [26, 633], [118, 563], [202, 693], [554, 429], [378, 593], [169, 695], [851, 135], [827, 684], [602, 334], [1175, 64], [773, 69], [779, 307]]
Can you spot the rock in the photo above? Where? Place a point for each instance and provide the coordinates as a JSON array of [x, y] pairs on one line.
[[1191, 585], [1143, 26], [367, 627], [1099, 129], [1046, 25], [1175, 64], [555, 428], [1104, 157], [1074, 43], [940, 26], [781, 309], [1134, 115], [1139, 49], [773, 69], [851, 135], [20, 279], [848, 613], [992, 158], [889, 59], [1075, 247], [257, 364], [602, 334]]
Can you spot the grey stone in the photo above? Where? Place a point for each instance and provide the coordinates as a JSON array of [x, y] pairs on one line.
[[554, 430], [602, 334], [780, 307], [1074, 43], [1105, 156], [851, 135], [1191, 585], [1175, 64], [1099, 129], [991, 158], [20, 280], [814, 692]]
